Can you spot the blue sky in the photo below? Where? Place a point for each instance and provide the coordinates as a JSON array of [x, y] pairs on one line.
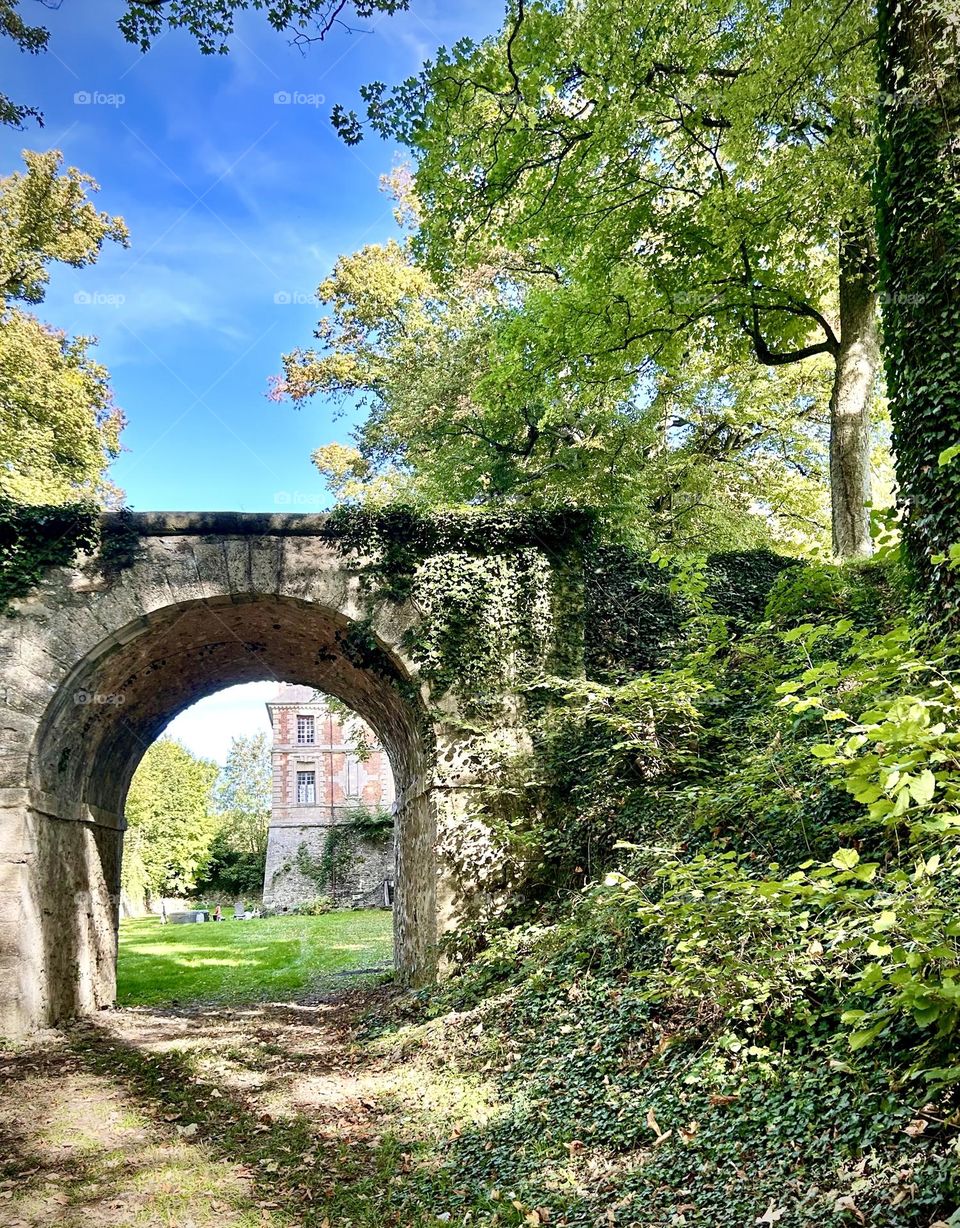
[[237, 204]]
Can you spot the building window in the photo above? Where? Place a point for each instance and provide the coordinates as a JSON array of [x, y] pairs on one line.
[[306, 788], [352, 785], [306, 733]]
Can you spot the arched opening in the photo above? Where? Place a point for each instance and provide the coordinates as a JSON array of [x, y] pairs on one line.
[[114, 703]]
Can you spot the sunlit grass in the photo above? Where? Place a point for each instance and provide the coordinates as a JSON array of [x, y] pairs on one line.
[[236, 960]]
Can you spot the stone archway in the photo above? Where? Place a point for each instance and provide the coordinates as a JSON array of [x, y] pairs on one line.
[[96, 665], [94, 671]]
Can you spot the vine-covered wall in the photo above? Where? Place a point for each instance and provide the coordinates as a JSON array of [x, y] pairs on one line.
[[919, 205], [499, 602], [471, 630]]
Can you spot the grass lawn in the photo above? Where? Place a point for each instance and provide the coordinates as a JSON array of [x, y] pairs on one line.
[[236, 960]]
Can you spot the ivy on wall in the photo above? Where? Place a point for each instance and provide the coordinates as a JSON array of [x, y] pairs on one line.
[[488, 587], [396, 539], [342, 846], [35, 537], [919, 206]]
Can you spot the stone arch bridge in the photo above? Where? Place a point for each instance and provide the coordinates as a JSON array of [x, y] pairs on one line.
[[95, 665]]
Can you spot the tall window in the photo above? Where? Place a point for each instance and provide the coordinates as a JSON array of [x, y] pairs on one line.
[[352, 784], [306, 788], [306, 732]]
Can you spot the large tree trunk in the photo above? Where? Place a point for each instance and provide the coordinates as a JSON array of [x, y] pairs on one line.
[[857, 360], [920, 264]]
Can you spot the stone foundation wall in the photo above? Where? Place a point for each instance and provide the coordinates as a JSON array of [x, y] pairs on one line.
[[285, 886]]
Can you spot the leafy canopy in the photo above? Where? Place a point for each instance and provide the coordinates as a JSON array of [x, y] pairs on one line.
[[717, 453], [59, 427], [170, 808], [657, 185]]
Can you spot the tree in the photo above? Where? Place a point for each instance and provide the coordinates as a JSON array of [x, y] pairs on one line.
[[244, 794], [920, 244], [714, 454], [59, 427], [230, 871], [46, 215], [31, 39], [170, 808], [697, 182], [211, 22]]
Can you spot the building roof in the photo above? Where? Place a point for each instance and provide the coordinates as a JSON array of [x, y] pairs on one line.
[[289, 693]]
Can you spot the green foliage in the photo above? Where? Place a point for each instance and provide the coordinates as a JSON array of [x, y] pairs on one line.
[[59, 427], [768, 980], [120, 543], [373, 824], [170, 806], [677, 203], [920, 248], [739, 582], [211, 22], [890, 711], [319, 906], [684, 1107], [35, 538], [638, 606], [491, 590], [634, 620], [47, 216], [134, 877], [244, 796], [458, 411], [869, 594], [336, 859], [31, 39], [488, 622], [614, 757], [229, 871], [398, 537]]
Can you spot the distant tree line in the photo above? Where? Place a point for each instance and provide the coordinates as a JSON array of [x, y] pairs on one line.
[[194, 828]]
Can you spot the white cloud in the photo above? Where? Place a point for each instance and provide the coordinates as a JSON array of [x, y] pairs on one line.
[[208, 727]]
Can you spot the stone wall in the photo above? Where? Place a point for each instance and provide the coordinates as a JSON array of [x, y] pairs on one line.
[[360, 886], [95, 665]]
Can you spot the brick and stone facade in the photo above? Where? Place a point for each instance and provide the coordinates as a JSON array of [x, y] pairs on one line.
[[319, 780]]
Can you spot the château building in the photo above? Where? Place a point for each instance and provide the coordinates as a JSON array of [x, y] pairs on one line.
[[328, 769]]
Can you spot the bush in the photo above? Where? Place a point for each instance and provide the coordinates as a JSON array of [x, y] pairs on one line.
[[866, 592], [317, 907], [230, 872]]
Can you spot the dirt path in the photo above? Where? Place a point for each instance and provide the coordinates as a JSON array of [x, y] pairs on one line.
[[268, 1115]]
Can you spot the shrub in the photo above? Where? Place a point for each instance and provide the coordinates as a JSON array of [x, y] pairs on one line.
[[317, 907]]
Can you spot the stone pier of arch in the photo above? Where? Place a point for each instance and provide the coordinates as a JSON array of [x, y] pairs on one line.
[[93, 669]]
